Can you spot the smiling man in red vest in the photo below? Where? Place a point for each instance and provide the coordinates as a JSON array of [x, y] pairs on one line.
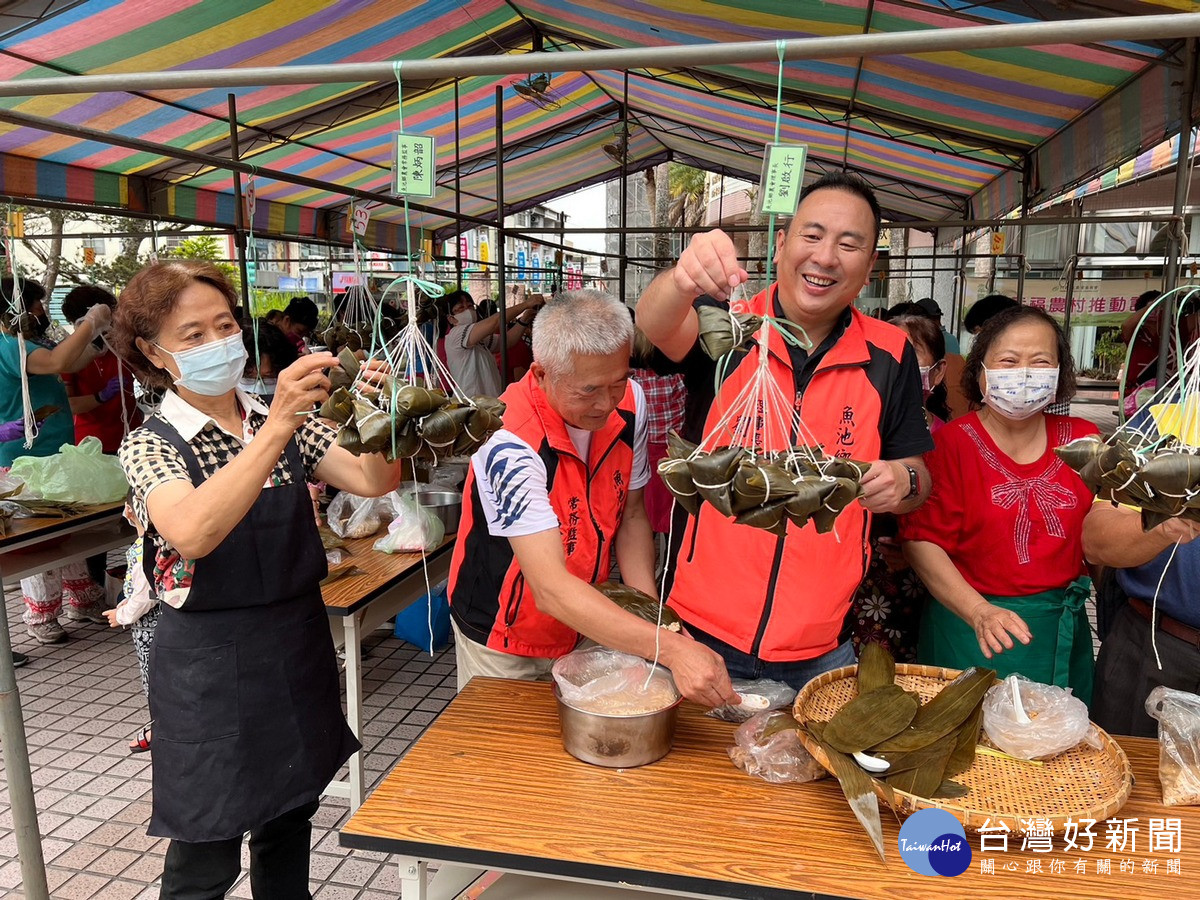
[[776, 607], [551, 497]]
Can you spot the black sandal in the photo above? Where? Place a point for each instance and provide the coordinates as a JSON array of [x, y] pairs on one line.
[[141, 744]]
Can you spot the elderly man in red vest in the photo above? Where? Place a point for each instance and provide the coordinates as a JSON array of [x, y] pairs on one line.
[[777, 607], [550, 498]]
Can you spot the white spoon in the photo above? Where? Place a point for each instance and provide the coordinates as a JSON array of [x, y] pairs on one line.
[[1022, 718], [871, 763]]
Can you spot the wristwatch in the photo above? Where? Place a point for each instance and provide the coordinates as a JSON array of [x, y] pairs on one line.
[[914, 482]]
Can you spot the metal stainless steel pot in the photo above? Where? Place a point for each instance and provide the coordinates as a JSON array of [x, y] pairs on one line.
[[446, 505], [618, 742]]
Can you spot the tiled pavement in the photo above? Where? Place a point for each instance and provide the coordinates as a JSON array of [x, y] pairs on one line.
[[82, 703]]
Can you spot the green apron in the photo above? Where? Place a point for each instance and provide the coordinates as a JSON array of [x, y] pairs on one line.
[[1060, 652]]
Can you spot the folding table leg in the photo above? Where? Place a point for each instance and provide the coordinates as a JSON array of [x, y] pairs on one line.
[[413, 882], [353, 649]]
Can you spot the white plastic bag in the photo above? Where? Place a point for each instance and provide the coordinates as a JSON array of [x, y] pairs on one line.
[[1178, 714], [780, 758], [414, 527], [758, 695], [351, 516], [601, 680], [1058, 720]]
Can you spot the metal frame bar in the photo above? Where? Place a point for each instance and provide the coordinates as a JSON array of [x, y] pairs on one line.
[[239, 217], [1175, 230], [1074, 31], [218, 162], [500, 236]]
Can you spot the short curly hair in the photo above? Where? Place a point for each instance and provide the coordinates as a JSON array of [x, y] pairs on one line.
[[146, 302], [996, 326]]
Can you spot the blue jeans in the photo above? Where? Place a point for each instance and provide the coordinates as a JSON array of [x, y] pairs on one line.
[[795, 674]]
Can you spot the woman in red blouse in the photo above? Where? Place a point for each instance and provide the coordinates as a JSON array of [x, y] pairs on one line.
[[999, 542]]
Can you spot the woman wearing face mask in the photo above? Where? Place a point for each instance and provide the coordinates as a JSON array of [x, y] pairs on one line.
[[244, 692], [471, 342], [999, 542]]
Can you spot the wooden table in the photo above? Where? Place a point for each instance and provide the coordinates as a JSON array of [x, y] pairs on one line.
[[357, 604], [36, 544], [489, 785]]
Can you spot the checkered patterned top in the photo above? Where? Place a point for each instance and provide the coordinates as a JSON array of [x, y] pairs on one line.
[[150, 461], [666, 398]]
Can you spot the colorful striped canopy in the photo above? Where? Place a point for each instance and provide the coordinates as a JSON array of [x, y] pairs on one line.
[[942, 135]]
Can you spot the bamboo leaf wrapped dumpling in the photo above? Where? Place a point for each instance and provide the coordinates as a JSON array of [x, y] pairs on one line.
[[720, 332], [348, 438], [407, 440], [713, 473], [338, 407], [844, 491], [374, 426], [415, 401], [678, 478], [757, 482], [441, 428]]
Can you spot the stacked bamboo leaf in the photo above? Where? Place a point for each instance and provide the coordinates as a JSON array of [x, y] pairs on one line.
[[762, 490], [403, 421], [914, 747], [1161, 479]]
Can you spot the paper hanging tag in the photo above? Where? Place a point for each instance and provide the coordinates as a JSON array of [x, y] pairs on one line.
[[782, 178], [251, 198], [358, 219], [413, 165]]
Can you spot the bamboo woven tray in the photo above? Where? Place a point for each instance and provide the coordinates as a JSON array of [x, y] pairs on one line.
[[1083, 783]]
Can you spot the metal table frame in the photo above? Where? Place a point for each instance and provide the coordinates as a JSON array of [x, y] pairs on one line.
[[75, 538], [369, 612]]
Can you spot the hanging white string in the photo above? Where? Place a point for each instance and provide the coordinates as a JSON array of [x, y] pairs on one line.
[[1154, 605]]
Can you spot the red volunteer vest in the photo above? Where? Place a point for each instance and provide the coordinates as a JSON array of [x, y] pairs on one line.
[[489, 599], [785, 598]]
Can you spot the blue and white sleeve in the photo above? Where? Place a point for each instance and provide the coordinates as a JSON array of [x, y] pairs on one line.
[[511, 478], [640, 476]]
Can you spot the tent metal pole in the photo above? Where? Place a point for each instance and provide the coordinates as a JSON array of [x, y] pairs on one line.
[[1072, 31], [960, 293], [20, 780], [1075, 232], [239, 231], [458, 253], [500, 251], [924, 225], [1175, 231], [1025, 176], [622, 246], [217, 162]]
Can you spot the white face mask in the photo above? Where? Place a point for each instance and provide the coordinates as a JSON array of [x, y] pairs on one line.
[[211, 369], [466, 317], [1020, 393]]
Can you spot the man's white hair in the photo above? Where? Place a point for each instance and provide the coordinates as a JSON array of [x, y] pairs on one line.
[[580, 323]]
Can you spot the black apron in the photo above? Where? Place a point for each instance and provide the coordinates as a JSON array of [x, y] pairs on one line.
[[244, 687]]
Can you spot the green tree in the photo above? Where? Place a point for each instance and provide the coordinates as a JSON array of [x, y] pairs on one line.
[[1110, 352], [205, 247], [687, 188]]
